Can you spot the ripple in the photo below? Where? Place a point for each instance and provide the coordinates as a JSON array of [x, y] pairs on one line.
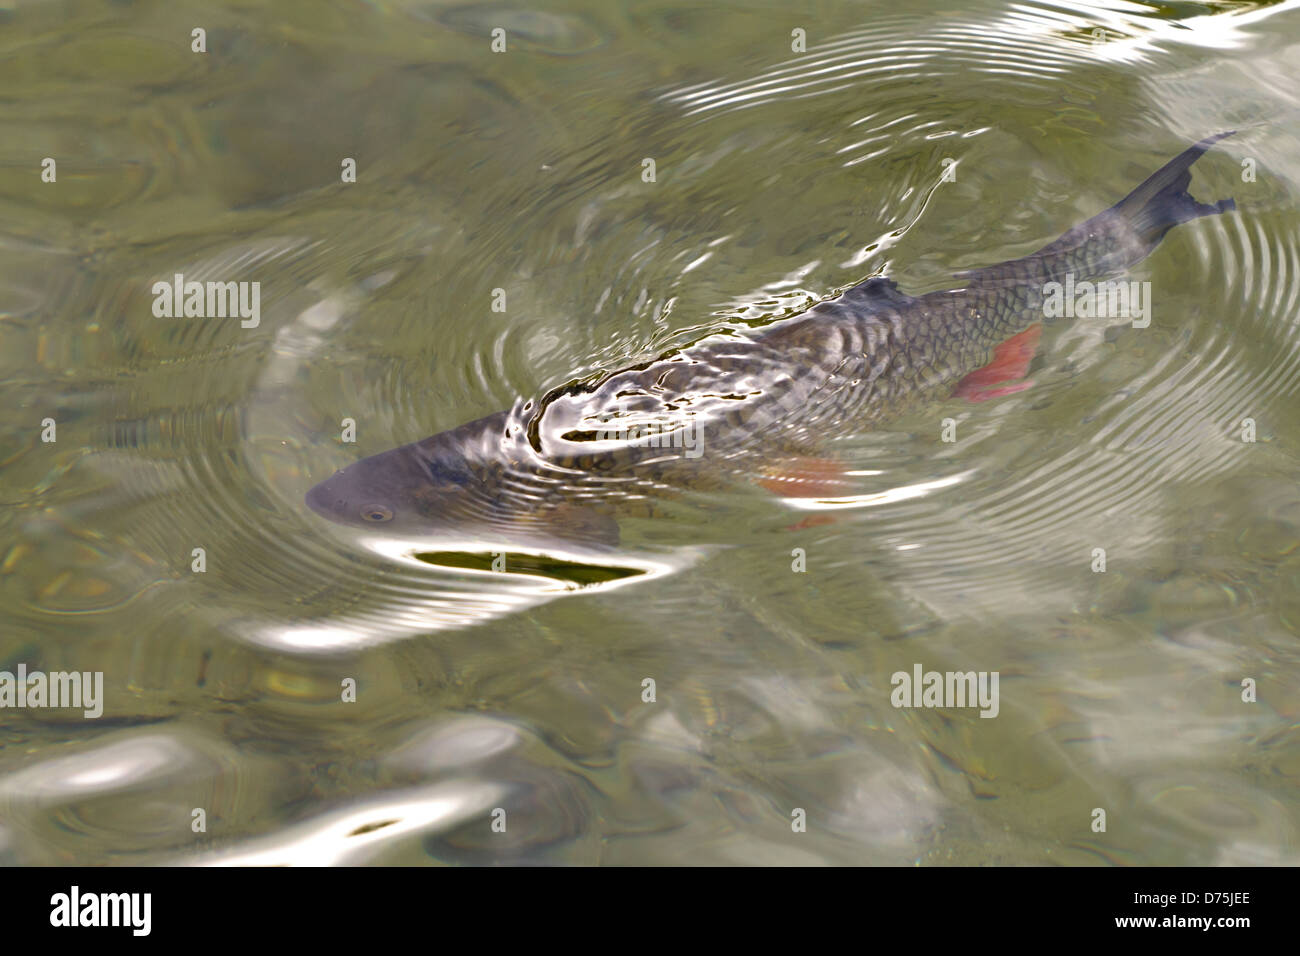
[[1031, 44], [130, 792], [781, 181], [555, 33]]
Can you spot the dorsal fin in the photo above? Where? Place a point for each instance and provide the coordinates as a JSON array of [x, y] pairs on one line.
[[878, 289]]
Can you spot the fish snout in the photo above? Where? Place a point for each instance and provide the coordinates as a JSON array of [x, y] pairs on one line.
[[325, 500], [344, 500], [319, 498]]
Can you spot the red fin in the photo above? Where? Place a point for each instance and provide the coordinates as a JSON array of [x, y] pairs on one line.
[[806, 478], [1010, 361], [812, 521]]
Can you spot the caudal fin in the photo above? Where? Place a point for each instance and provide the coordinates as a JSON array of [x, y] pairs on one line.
[[1163, 201], [1115, 240]]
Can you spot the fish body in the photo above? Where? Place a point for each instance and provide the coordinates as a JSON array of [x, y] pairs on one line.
[[738, 406]]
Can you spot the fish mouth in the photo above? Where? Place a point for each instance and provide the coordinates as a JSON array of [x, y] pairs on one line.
[[427, 516], [329, 501], [319, 499]]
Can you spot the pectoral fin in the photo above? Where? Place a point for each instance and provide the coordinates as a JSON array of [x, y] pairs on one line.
[[805, 478]]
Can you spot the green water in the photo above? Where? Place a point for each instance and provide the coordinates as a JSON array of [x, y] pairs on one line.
[[780, 176]]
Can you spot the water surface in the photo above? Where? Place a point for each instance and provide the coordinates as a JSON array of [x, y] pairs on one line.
[[781, 176]]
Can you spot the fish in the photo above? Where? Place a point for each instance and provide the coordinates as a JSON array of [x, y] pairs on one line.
[[760, 406]]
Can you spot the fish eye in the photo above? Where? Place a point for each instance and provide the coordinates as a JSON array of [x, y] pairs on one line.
[[376, 513]]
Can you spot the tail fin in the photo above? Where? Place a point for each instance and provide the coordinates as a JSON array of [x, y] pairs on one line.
[[1162, 202], [1113, 241]]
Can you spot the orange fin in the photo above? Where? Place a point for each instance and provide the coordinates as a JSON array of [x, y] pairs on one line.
[[812, 521], [806, 478], [1010, 361]]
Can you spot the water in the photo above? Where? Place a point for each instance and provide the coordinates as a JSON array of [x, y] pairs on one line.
[[781, 177]]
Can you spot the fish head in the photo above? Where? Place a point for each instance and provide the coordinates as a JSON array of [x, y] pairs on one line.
[[396, 492], [478, 482]]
